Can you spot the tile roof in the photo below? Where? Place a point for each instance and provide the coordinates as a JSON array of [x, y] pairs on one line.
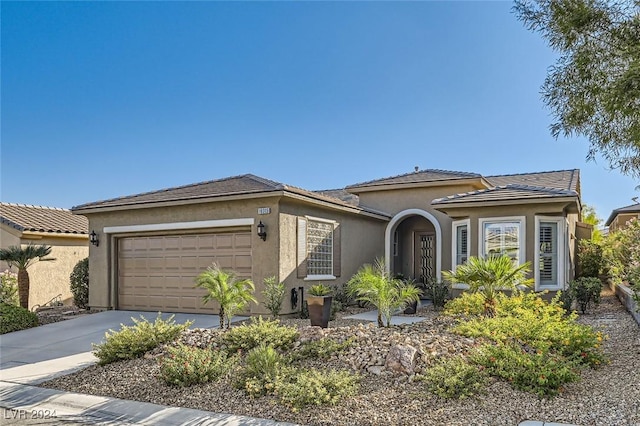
[[558, 179], [234, 185], [42, 219], [428, 175], [341, 194], [634, 208], [504, 193]]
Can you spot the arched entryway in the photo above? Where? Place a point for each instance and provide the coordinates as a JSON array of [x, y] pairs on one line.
[[413, 245]]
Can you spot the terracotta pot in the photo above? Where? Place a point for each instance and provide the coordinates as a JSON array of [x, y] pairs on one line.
[[319, 310]]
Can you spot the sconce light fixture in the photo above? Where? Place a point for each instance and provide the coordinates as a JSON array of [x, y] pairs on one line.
[[93, 238], [262, 233]]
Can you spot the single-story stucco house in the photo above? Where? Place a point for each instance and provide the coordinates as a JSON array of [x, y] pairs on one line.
[[619, 218], [66, 233], [152, 245]]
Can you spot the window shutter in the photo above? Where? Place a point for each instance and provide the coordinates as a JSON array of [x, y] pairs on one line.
[[337, 250], [302, 247]]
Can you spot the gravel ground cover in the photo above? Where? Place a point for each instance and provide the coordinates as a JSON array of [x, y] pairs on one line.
[[607, 396]]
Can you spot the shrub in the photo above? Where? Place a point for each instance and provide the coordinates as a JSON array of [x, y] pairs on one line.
[[565, 299], [341, 294], [590, 259], [314, 387], [260, 331], [466, 304], [586, 291], [539, 372], [321, 348], [263, 365], [335, 308], [9, 288], [79, 279], [438, 292], [188, 365], [273, 296], [454, 378], [133, 341], [319, 290], [15, 318]]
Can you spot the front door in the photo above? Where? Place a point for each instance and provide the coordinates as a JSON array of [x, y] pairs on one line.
[[424, 257]]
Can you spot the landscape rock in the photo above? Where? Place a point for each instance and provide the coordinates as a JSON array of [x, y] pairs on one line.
[[401, 359]]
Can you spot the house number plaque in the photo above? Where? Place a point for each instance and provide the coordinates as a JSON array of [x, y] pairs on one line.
[[264, 210]]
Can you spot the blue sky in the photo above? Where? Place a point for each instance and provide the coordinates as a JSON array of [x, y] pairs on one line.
[[107, 99]]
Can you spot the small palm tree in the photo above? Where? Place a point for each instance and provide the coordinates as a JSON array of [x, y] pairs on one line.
[[22, 258], [225, 288], [373, 284], [489, 277]]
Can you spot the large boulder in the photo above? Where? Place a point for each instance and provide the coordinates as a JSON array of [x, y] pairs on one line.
[[401, 359]]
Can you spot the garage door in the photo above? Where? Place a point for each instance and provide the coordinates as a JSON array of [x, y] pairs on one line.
[[157, 273]]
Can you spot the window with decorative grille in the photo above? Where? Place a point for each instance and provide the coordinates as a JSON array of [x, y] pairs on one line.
[[319, 248]]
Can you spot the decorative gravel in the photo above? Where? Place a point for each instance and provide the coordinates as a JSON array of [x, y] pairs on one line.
[[607, 396]]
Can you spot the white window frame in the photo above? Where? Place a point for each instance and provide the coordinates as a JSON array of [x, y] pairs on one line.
[[561, 266], [324, 277], [522, 241], [454, 241]]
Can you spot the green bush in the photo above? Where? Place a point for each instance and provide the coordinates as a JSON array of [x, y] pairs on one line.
[[438, 292], [15, 318], [590, 259], [188, 365], [260, 331], [263, 366], [542, 373], [469, 304], [314, 387], [565, 299], [454, 378], [273, 296], [586, 291], [133, 341], [79, 279], [321, 348], [9, 288], [341, 294]]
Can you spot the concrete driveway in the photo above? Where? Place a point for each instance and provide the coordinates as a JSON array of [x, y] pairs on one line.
[[74, 336]]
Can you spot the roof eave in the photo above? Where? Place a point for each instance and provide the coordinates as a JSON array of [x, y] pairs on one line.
[[496, 203]]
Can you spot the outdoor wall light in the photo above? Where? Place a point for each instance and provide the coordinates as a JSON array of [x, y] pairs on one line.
[[262, 233], [93, 238]]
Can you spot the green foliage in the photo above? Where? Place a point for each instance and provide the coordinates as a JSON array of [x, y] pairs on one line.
[[373, 284], [542, 373], [188, 365], [79, 279], [565, 299], [622, 253], [273, 295], [454, 378], [341, 295], [22, 257], [542, 327], [263, 366], [438, 292], [590, 217], [586, 291], [134, 341], [321, 348], [231, 293], [590, 259], [593, 89], [490, 277], [314, 387], [9, 287], [319, 290], [260, 331], [467, 304], [15, 318]]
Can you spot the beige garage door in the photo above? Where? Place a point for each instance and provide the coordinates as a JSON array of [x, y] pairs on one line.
[[157, 273]]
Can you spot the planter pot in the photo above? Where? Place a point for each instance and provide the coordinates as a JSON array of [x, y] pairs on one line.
[[412, 308], [319, 310]]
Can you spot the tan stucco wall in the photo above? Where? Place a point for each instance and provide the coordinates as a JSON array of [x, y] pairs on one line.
[[361, 238], [620, 222], [49, 279], [102, 259]]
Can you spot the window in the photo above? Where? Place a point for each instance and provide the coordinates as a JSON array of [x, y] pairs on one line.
[[318, 248], [503, 236], [460, 245], [549, 268]]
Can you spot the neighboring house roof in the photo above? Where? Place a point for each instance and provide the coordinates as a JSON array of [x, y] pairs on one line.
[[26, 218], [503, 193], [246, 184], [558, 179], [419, 176], [634, 208], [341, 194]]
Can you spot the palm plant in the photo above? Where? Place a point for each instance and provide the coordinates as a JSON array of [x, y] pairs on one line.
[[489, 277], [231, 293], [373, 284], [22, 258]]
